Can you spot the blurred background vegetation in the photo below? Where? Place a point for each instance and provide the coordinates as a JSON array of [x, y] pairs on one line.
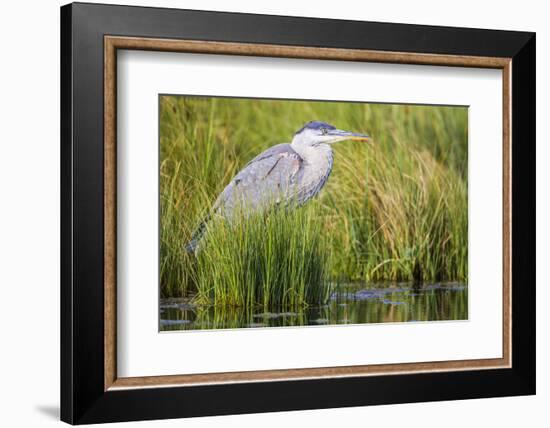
[[393, 210]]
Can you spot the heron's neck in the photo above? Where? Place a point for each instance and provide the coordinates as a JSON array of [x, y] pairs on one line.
[[316, 167], [320, 155], [315, 170]]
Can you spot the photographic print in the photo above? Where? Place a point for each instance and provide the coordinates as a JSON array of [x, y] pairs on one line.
[[279, 213]]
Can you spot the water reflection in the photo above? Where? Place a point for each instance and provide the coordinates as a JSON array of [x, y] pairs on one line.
[[350, 304]]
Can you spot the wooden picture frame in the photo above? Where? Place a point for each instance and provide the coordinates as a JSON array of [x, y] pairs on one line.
[[91, 390]]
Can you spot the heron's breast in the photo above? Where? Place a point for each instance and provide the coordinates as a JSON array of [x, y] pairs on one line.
[[316, 170]]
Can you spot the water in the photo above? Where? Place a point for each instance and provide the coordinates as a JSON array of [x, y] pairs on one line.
[[351, 304]]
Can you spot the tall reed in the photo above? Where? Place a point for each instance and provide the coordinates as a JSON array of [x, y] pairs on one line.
[[277, 258]]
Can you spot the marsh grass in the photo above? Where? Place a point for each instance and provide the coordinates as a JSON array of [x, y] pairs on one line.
[[277, 258], [392, 210]]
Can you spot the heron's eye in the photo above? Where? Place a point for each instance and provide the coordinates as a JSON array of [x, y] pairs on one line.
[[324, 131]]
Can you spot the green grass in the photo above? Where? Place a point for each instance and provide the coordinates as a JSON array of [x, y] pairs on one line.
[[279, 258], [392, 210]]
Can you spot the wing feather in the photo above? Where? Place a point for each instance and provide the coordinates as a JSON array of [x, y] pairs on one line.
[[268, 178]]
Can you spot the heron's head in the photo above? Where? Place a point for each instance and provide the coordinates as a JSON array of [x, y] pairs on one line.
[[315, 133]]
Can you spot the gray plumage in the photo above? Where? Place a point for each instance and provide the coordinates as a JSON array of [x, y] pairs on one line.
[[282, 175]]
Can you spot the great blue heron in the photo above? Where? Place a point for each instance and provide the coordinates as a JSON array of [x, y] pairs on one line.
[[283, 174]]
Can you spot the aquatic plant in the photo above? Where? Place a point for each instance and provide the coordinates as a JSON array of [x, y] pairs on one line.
[[275, 258]]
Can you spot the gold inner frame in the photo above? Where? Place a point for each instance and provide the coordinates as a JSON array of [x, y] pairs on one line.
[[113, 43]]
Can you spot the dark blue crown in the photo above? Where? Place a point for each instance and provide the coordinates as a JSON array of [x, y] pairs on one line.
[[315, 124]]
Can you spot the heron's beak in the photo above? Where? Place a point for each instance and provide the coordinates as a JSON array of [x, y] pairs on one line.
[[339, 135]]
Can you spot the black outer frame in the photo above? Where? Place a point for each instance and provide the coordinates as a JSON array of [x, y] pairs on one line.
[[83, 399]]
